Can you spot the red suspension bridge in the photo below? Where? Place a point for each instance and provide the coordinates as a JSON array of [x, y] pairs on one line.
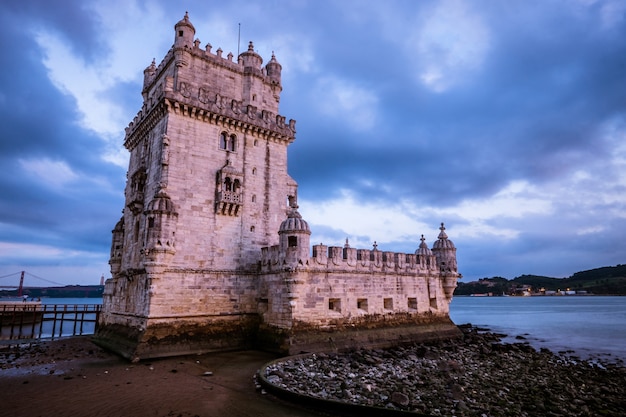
[[9, 284]]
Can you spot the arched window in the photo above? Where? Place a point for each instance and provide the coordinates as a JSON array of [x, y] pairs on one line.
[[228, 184], [236, 185], [232, 142], [254, 171], [223, 140], [254, 198]]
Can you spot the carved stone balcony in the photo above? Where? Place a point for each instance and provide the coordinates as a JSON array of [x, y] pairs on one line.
[[228, 203]]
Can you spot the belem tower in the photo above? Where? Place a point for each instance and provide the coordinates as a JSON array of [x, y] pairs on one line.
[[211, 253]]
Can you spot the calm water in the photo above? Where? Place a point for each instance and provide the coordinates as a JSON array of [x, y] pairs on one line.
[[69, 301], [590, 326]]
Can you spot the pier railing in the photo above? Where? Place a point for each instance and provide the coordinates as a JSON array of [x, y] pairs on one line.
[[47, 321]]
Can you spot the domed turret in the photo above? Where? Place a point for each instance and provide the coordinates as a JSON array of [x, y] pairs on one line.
[[117, 247], [294, 235], [274, 70], [445, 252], [442, 240], [294, 223], [161, 204], [161, 217], [184, 32], [148, 77], [251, 60], [423, 250], [425, 257]]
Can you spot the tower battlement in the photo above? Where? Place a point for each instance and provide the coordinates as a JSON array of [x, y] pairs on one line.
[[347, 259]]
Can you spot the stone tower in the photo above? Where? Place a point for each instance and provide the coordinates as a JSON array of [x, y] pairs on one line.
[[211, 252], [207, 188]]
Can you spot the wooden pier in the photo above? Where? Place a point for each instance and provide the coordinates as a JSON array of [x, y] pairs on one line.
[[34, 320]]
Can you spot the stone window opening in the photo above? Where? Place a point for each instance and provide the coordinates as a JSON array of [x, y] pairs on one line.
[[180, 33], [388, 303], [252, 228], [412, 303], [227, 143], [361, 304], [254, 198], [334, 304], [150, 222], [292, 241], [228, 184], [136, 231]]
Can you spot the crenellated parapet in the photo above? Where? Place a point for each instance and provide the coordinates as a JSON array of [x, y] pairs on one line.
[[347, 259], [204, 104]]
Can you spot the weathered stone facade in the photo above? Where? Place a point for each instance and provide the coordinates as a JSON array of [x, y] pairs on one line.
[[211, 252]]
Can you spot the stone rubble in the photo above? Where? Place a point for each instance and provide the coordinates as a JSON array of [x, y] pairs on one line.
[[477, 375]]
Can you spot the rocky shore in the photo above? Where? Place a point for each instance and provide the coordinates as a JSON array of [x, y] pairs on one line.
[[477, 375]]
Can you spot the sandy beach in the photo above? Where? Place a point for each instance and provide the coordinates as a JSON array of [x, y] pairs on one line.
[[74, 377]]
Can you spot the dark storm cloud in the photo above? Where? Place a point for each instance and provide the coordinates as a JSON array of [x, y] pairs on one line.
[[535, 112], [72, 19], [39, 123], [544, 102]]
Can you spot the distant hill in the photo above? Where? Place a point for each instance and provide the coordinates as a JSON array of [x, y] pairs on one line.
[[68, 291], [608, 280]]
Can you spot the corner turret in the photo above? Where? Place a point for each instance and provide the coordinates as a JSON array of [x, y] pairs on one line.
[[294, 235], [424, 256], [161, 228], [445, 253], [184, 32], [251, 60], [274, 69], [148, 77]]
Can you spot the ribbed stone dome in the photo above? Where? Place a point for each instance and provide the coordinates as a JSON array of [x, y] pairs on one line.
[[423, 250], [161, 203], [442, 241], [294, 223]]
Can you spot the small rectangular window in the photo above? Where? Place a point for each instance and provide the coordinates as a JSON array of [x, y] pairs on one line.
[[334, 304], [388, 303], [361, 304], [412, 303], [292, 241]]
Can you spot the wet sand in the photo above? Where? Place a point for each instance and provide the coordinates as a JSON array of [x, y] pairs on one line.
[[74, 377]]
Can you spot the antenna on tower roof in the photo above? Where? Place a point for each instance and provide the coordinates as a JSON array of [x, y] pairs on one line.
[[238, 39]]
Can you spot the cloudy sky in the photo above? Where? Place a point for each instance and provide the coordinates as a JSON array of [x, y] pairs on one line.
[[505, 120]]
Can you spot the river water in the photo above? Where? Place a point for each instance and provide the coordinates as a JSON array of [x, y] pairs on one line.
[[591, 326]]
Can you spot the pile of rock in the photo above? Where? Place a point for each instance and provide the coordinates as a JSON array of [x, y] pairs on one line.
[[473, 376]]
